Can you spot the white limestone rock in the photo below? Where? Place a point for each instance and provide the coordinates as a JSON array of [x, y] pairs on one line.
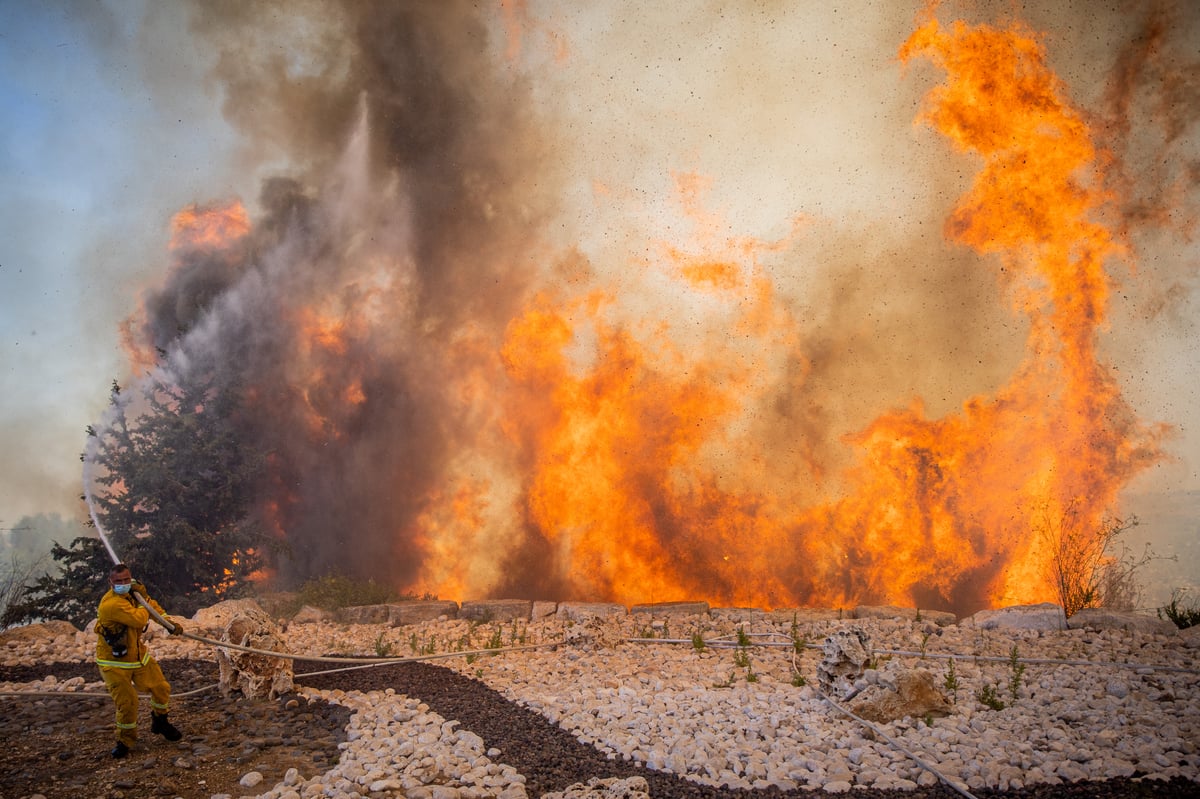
[[1046, 616], [845, 658], [256, 676]]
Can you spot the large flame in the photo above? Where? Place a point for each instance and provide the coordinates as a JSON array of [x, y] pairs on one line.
[[583, 436]]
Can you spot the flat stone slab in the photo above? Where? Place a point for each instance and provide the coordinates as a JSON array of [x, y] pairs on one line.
[[402, 613], [496, 610], [364, 614], [806, 615], [745, 615], [1046, 616], [398, 614], [309, 615], [939, 617], [1102, 619], [542, 609], [582, 611], [671, 608]]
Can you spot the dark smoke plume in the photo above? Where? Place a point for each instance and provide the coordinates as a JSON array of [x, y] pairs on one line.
[[405, 230]]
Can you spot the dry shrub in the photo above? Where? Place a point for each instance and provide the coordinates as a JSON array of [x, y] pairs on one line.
[[1082, 564]]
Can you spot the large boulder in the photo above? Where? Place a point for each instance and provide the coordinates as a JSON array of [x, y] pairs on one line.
[[211, 622], [910, 693], [254, 674]]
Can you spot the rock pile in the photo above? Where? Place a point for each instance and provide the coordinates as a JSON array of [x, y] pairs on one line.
[[1025, 700]]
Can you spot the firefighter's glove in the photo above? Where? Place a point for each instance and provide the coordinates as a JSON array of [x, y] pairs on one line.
[[177, 629], [137, 588]]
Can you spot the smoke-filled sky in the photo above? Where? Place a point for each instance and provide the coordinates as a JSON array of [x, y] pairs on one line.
[[447, 188]]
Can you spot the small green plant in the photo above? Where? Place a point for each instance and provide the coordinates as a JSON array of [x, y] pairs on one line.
[[990, 697], [799, 679], [928, 719], [799, 642], [750, 675], [496, 641], [743, 640], [412, 643], [479, 674], [918, 618], [646, 632], [383, 648], [1018, 671], [1179, 614], [951, 682], [471, 658], [698, 641], [924, 643], [741, 658]]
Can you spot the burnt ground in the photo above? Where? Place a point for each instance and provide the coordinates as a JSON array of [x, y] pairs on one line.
[[60, 747]]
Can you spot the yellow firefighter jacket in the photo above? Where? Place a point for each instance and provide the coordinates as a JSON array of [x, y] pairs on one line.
[[122, 609]]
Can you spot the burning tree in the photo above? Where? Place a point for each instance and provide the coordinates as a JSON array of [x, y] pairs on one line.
[[177, 483]]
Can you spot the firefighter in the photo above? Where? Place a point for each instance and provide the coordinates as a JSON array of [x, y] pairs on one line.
[[125, 662]]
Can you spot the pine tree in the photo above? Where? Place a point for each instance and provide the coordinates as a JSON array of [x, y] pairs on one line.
[[177, 490]]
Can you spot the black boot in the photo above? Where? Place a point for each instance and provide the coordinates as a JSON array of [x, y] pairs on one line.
[[160, 725], [120, 750]]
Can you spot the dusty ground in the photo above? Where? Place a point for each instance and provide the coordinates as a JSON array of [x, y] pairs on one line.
[[60, 747]]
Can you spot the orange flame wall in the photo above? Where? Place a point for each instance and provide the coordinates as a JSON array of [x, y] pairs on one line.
[[452, 404], [934, 512]]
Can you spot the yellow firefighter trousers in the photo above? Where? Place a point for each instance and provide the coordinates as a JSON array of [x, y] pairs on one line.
[[123, 686]]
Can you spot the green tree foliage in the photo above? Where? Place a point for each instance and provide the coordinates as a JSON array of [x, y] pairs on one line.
[[177, 488], [176, 484]]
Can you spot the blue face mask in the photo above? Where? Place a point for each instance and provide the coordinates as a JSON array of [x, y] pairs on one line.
[[122, 589]]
